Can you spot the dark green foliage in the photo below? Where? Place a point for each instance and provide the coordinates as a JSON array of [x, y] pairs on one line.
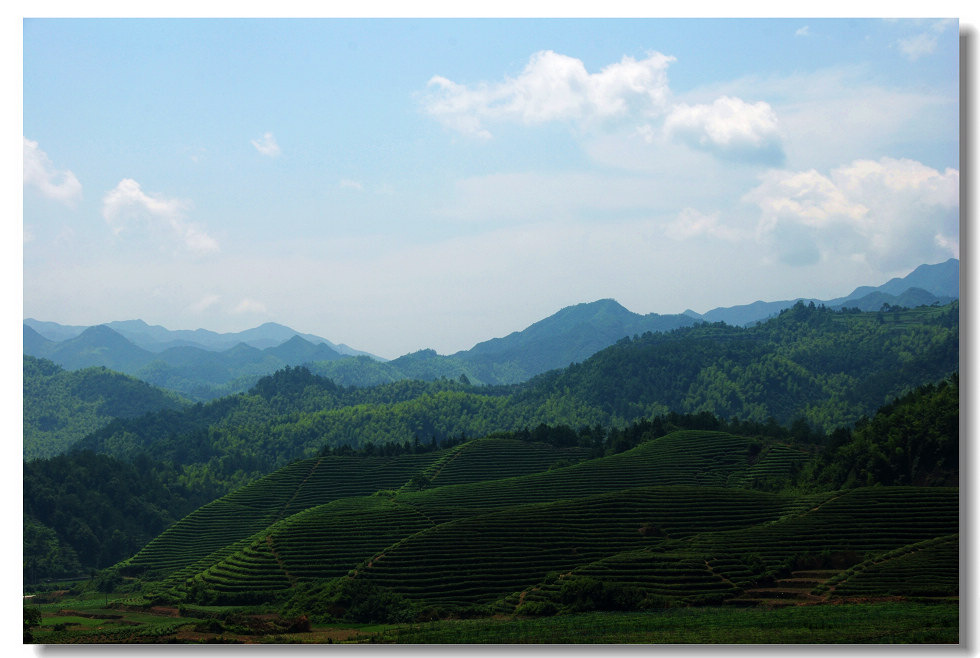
[[828, 367], [912, 440], [873, 624], [352, 599], [84, 511], [586, 594], [61, 407], [32, 619]]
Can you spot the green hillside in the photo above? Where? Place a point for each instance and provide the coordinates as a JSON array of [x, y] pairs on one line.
[[827, 368], [61, 406], [672, 521], [552, 521], [585, 491], [241, 528]]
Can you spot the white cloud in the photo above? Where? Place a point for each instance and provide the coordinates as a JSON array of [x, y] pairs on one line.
[[924, 43], [266, 145], [729, 127], [887, 212], [630, 93], [553, 87], [351, 185], [803, 31], [249, 306], [41, 174], [127, 207], [841, 114]]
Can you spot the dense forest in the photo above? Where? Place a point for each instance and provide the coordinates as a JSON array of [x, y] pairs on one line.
[[825, 367], [62, 406]]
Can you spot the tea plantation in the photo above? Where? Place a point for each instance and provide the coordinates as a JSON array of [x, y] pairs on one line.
[[501, 526]]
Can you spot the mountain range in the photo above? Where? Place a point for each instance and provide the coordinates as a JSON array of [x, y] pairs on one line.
[[203, 365], [155, 338], [927, 284]]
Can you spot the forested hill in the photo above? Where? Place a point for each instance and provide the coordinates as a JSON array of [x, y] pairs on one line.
[[828, 368], [61, 406]]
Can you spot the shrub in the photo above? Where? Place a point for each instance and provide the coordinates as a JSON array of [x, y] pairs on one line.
[[536, 609]]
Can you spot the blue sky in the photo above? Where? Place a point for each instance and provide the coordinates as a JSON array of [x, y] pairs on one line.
[[431, 183]]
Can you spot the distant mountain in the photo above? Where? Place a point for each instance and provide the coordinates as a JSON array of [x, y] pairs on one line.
[[300, 350], [910, 298], [942, 281], [99, 346], [35, 343], [939, 282], [155, 338], [571, 335], [198, 373], [204, 364]]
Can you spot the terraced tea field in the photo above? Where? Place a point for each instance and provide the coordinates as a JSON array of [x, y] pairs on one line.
[[669, 521]]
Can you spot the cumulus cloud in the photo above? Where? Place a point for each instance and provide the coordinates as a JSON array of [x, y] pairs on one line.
[[729, 127], [924, 43], [631, 93], [128, 207], [553, 87], [887, 213], [266, 145], [41, 174]]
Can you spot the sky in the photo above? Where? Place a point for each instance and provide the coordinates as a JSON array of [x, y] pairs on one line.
[[401, 184]]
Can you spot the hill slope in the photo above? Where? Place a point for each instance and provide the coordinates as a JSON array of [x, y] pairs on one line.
[[826, 368], [665, 523], [61, 407]]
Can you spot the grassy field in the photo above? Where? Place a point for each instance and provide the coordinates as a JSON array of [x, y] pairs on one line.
[[887, 622]]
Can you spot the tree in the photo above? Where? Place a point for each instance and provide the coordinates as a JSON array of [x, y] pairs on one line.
[[106, 582], [32, 618], [419, 480]]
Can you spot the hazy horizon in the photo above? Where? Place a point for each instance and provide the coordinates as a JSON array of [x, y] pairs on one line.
[[395, 185], [362, 348]]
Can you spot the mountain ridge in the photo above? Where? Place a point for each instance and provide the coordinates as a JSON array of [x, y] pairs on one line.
[[156, 338], [568, 336], [941, 280], [187, 369]]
